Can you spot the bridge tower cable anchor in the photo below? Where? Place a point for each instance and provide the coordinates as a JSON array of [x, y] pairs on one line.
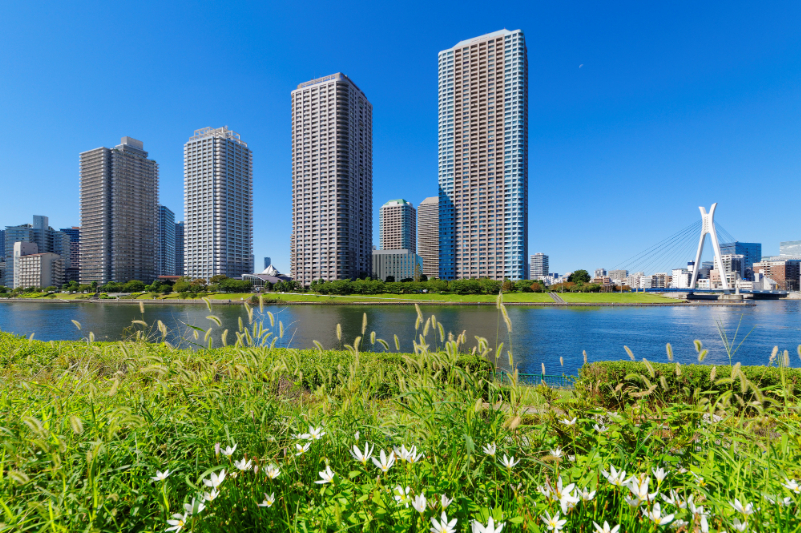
[[708, 228]]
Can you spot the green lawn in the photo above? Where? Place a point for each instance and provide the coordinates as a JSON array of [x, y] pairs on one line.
[[614, 297]]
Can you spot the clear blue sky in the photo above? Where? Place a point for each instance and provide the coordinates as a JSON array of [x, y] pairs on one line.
[[676, 105]]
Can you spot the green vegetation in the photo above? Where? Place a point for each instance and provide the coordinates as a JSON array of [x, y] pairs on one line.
[[146, 436], [615, 297]]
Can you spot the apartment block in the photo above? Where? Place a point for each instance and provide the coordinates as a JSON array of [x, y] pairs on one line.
[[166, 244], [428, 236], [218, 205], [332, 180], [179, 248], [750, 251], [396, 265], [619, 275], [483, 158], [398, 226], [119, 214], [786, 273], [540, 267], [73, 271], [47, 240]]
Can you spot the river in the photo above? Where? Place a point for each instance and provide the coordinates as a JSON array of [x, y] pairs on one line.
[[539, 334]]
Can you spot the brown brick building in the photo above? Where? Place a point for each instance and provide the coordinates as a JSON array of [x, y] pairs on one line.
[[786, 273]]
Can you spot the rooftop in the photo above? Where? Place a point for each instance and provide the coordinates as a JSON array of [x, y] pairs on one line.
[[397, 202]]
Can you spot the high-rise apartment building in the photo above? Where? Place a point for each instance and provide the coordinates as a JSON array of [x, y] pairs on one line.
[[166, 244], [483, 158], [73, 271], [218, 200], [428, 236], [332, 180], [119, 214], [179, 248], [267, 263], [751, 252], [398, 226], [539, 268]]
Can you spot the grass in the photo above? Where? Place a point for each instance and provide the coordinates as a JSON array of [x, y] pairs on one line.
[[86, 429], [614, 297]]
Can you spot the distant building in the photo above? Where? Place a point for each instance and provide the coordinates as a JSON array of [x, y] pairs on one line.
[[619, 275], [47, 240], [751, 252], [539, 268], [267, 263], [786, 273], [34, 269], [397, 221], [791, 248], [166, 244], [119, 214], [179, 248], [660, 280], [428, 236], [734, 264], [270, 276], [397, 264], [73, 272], [600, 272], [681, 278]]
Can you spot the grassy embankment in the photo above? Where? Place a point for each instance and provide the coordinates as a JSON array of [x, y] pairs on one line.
[[88, 429]]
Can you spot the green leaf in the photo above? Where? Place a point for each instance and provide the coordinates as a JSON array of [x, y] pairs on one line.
[[353, 473]]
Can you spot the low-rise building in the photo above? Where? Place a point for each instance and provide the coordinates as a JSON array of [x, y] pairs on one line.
[[681, 278], [34, 269], [396, 264], [618, 275], [786, 273]]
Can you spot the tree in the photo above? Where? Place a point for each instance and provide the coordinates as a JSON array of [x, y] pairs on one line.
[[418, 272], [390, 279], [133, 286], [219, 278], [579, 276]]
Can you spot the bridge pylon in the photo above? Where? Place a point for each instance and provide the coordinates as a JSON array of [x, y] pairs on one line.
[[708, 228]]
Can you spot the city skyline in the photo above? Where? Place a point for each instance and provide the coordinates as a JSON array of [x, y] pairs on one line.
[[678, 111]]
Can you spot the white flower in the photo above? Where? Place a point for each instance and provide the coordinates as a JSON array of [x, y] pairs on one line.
[[445, 501], [601, 429], [567, 502], [587, 496], [675, 500], [360, 456], [557, 452], [161, 476], [401, 495], [633, 502], [489, 528], [509, 462], [215, 480], [571, 458], [676, 524], [327, 476], [268, 500], [660, 474], [746, 509], [410, 455], [194, 507], [216, 448], [229, 451], [301, 436], [786, 501], [419, 503], [386, 462], [552, 522], [739, 526], [489, 449], [356, 436], [791, 485], [211, 496], [302, 448], [316, 433], [243, 465], [615, 477], [606, 528], [655, 514], [443, 526], [639, 488], [272, 471], [567, 422], [178, 523]]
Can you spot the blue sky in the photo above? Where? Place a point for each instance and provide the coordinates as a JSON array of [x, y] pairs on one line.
[[676, 105]]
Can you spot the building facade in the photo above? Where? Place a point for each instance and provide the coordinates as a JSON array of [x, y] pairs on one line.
[[751, 252], [483, 158], [786, 273], [73, 271], [166, 244], [428, 236], [33, 269], [332, 181], [540, 267], [47, 240], [619, 275], [119, 214], [267, 263], [179, 248], [398, 226], [396, 265], [791, 248], [218, 205]]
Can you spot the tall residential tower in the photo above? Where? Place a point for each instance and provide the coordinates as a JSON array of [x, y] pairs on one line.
[[218, 205], [483, 158], [166, 244], [428, 236], [332, 181], [397, 226], [119, 214]]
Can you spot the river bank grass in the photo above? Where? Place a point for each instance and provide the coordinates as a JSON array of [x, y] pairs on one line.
[[145, 436]]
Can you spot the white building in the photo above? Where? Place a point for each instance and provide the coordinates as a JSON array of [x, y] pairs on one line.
[[397, 264], [32, 269], [218, 205], [539, 266], [680, 278], [332, 181]]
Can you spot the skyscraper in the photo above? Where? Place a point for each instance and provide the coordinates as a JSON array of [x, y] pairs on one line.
[[218, 200], [483, 158], [166, 242], [332, 180], [179, 248], [428, 236], [539, 266], [751, 252], [73, 272], [398, 226], [267, 263], [119, 214]]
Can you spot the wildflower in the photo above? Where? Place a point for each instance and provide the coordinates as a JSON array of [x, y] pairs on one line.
[[746, 509], [600, 429], [216, 449], [410, 455], [786, 501], [194, 507], [243, 465], [509, 462], [546, 491], [401, 495], [660, 474], [357, 454], [567, 422], [639, 488], [327, 476], [633, 502], [268, 500], [699, 479], [587, 496], [228, 451], [445, 501], [419, 503], [178, 522], [791, 485], [675, 500], [489, 528], [557, 452], [655, 514], [356, 436], [615, 477], [211, 496], [256, 469], [316, 433], [489, 449], [552, 522], [161, 476], [567, 501], [215, 480], [739, 526], [698, 512], [272, 471], [571, 458], [678, 524], [302, 448], [386, 462], [443, 526], [606, 528], [301, 436]]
